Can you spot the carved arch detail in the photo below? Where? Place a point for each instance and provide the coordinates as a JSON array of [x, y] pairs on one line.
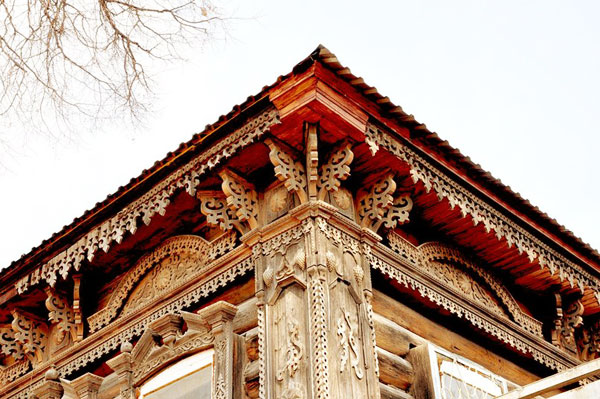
[[195, 251], [428, 256]]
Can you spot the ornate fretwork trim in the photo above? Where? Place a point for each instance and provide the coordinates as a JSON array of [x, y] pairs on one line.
[[288, 170], [79, 357], [201, 252], [425, 256], [155, 201], [481, 212], [509, 335], [377, 205], [336, 169]]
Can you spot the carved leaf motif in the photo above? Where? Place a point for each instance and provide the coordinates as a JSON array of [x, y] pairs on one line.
[[335, 170], [288, 170]]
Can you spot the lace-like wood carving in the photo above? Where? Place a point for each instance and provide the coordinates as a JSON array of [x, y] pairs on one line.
[[433, 259], [241, 197], [31, 333], [154, 201], [481, 212], [61, 314]]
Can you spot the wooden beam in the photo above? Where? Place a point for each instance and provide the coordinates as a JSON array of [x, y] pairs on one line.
[[555, 381]]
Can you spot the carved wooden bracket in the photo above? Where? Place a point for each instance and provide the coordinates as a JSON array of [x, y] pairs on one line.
[[218, 213], [61, 314], [8, 343], [288, 170], [336, 169], [86, 386], [589, 343], [31, 333], [568, 318], [377, 205]]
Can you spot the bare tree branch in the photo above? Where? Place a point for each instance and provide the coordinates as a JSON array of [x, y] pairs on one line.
[[91, 57]]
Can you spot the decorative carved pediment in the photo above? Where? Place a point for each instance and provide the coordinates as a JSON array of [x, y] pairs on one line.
[[175, 262], [172, 337], [453, 269]]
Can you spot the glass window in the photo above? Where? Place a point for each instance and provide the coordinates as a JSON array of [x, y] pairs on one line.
[[189, 378]]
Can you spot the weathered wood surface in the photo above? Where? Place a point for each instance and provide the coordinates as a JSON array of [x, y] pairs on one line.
[[390, 392], [394, 370], [416, 323]]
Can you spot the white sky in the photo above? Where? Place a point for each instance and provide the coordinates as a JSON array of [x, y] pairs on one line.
[[514, 85]]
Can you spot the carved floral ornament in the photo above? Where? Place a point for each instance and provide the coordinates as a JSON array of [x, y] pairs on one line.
[[481, 212], [154, 201]]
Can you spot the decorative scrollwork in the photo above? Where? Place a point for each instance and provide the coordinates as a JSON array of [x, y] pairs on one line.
[[61, 314], [428, 256], [377, 206], [31, 334], [293, 354], [288, 170], [8, 343], [154, 201], [335, 170], [196, 255], [213, 205], [481, 212], [241, 197]]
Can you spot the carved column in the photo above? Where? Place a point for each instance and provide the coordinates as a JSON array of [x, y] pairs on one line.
[[219, 317], [123, 366], [87, 385]]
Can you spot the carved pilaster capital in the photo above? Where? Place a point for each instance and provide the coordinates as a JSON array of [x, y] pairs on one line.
[[87, 385], [218, 314], [51, 388]]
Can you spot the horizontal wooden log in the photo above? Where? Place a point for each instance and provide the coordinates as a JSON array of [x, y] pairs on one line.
[[429, 330], [393, 338], [252, 344], [251, 371], [390, 392], [246, 316], [394, 370]]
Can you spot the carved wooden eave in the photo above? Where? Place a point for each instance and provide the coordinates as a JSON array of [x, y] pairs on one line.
[[305, 190]]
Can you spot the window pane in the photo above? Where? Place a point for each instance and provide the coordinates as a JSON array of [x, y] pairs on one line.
[[192, 386]]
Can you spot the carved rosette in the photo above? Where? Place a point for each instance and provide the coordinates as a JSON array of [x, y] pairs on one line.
[[377, 205]]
